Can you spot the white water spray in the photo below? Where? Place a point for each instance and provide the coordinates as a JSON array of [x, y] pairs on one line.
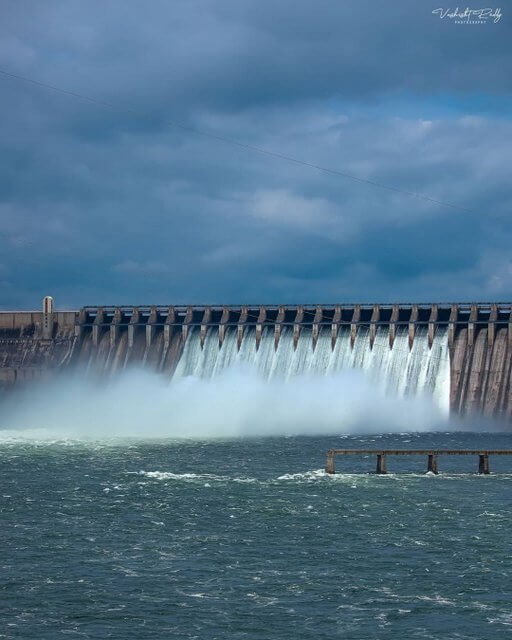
[[224, 393], [400, 371]]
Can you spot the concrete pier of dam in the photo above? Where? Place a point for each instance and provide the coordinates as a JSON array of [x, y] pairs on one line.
[[36, 344]]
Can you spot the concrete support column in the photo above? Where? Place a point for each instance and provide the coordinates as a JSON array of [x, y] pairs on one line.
[[434, 313], [133, 325], [186, 323], [207, 316], [395, 315], [335, 326], [169, 327], [356, 317], [299, 318], [150, 326], [329, 464], [373, 324], [412, 324], [316, 325], [259, 325], [491, 327], [432, 464], [278, 325], [381, 463], [452, 324], [222, 326], [241, 326], [114, 327], [97, 327], [473, 317], [509, 331], [82, 320], [483, 464]]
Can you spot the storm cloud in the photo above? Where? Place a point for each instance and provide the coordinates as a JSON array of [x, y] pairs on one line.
[[119, 205]]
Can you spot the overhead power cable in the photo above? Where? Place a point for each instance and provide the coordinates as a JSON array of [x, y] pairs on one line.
[[236, 143]]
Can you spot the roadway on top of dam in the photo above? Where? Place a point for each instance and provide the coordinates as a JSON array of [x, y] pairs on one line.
[[433, 314], [329, 305]]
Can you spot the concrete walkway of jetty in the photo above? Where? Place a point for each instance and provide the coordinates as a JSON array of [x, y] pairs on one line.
[[432, 454]]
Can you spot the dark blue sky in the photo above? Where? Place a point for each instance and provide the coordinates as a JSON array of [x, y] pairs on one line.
[[117, 206]]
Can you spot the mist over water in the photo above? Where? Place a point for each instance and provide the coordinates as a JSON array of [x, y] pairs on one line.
[[230, 392], [238, 402]]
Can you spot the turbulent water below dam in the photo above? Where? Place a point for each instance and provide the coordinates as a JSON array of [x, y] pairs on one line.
[[248, 539]]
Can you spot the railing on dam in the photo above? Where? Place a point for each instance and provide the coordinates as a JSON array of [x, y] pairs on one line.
[[172, 319]]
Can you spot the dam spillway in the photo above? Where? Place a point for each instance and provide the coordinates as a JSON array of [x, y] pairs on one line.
[[460, 354]]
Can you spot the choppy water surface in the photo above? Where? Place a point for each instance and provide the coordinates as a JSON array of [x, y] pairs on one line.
[[249, 539]]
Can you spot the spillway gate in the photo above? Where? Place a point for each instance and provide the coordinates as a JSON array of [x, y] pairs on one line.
[[172, 319]]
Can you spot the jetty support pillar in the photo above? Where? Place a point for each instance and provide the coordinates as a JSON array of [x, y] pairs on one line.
[[381, 463], [432, 464], [483, 464], [329, 464]]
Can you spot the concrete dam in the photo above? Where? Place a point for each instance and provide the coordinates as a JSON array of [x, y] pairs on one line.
[[460, 354]]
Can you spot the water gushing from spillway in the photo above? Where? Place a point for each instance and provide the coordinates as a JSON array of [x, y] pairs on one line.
[[398, 371], [218, 390]]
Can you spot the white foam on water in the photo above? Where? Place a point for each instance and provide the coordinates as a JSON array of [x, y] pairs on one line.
[[307, 475], [169, 475]]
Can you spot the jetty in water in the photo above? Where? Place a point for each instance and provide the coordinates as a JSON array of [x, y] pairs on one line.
[[432, 454]]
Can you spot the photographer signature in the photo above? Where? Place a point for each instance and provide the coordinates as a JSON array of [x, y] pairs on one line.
[[470, 14]]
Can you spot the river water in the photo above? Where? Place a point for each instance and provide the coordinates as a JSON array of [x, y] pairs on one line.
[[249, 539]]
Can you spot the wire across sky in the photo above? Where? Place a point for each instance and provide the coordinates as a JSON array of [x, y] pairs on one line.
[[237, 143]]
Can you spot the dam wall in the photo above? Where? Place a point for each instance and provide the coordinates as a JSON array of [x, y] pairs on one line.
[[30, 351], [408, 345]]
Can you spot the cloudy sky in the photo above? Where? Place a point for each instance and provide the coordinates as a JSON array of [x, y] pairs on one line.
[[117, 205]]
